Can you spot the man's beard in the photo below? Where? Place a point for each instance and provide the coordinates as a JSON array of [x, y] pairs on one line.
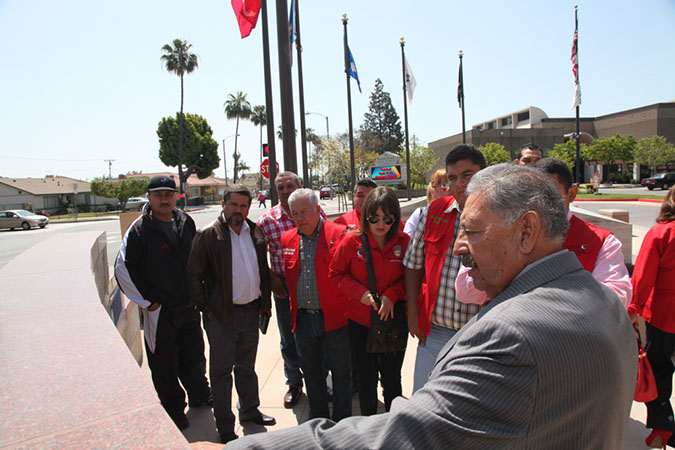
[[236, 219]]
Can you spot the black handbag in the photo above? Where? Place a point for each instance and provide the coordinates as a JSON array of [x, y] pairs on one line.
[[384, 336]]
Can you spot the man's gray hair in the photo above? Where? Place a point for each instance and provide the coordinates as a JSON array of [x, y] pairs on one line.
[[303, 194], [511, 190], [287, 174]]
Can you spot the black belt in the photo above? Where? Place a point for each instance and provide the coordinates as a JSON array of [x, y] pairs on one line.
[[315, 312], [249, 304]]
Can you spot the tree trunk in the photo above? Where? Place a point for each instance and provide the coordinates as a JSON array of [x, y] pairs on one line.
[[236, 136], [180, 146]]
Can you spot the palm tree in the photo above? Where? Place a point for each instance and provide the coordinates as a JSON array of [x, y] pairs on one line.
[[314, 139], [259, 117], [237, 107], [178, 59], [280, 132]]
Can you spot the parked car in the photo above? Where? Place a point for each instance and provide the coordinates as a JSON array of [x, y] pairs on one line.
[[136, 203], [324, 192], [267, 194], [20, 218], [661, 180]]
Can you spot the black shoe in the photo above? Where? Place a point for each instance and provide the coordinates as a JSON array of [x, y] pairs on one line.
[[181, 421], [262, 419], [198, 403], [225, 438], [292, 396]]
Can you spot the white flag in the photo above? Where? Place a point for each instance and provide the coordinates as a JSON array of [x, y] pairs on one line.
[[410, 82]]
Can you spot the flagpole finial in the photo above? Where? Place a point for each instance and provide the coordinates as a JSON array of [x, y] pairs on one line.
[[402, 42], [344, 19], [576, 6], [460, 53]]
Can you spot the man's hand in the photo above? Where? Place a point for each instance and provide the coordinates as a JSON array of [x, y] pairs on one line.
[[633, 318], [153, 306], [414, 328], [278, 288], [266, 312]]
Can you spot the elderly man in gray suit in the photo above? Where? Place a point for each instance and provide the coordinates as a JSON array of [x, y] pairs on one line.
[[551, 362]]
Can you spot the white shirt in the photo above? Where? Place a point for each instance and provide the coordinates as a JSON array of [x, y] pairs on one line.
[[245, 272]]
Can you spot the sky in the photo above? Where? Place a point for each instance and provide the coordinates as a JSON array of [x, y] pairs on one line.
[[82, 81]]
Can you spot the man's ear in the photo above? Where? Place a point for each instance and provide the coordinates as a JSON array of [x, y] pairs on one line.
[[529, 227], [572, 193]]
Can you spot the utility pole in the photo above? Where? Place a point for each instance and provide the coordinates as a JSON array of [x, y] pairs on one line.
[[109, 161]]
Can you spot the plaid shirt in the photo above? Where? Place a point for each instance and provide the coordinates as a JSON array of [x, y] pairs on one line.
[[448, 311], [308, 292], [273, 224]]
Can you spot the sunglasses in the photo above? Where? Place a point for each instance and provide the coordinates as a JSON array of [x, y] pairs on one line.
[[388, 220]]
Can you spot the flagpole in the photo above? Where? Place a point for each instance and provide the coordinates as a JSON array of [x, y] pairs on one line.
[[286, 88], [405, 119], [578, 133], [460, 96], [349, 109], [301, 93], [269, 109]]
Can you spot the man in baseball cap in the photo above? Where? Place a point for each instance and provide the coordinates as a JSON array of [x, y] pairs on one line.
[[151, 270]]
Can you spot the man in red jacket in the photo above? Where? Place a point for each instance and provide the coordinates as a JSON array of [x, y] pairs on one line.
[[435, 316], [318, 307]]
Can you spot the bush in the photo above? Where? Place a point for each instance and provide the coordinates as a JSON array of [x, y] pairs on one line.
[[619, 178]]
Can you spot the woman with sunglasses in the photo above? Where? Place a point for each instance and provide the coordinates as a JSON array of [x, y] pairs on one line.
[[438, 188], [380, 217]]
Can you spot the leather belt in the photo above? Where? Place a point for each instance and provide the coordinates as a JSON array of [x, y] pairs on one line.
[[249, 304], [315, 312]]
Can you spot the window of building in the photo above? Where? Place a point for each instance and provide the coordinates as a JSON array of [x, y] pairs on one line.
[[492, 125], [195, 192], [507, 121], [524, 116], [51, 201]]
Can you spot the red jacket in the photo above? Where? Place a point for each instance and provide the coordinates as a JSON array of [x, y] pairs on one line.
[[438, 235], [654, 278], [333, 302], [348, 271], [585, 240], [352, 220]]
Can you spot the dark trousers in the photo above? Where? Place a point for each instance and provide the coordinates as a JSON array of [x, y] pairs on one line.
[[288, 349], [316, 345], [179, 354], [367, 366], [234, 345], [660, 346]]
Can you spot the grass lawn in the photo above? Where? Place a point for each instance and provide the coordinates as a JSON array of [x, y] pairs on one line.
[[84, 215], [606, 196]]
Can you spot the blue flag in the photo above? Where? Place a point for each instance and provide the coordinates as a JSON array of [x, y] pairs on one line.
[[291, 30], [352, 69]]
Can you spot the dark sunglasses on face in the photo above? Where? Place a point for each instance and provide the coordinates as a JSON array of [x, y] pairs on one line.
[[388, 220]]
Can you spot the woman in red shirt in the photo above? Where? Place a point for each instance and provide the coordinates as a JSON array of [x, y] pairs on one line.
[[348, 270], [654, 299]]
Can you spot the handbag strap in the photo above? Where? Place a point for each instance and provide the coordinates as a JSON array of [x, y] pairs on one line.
[[369, 267]]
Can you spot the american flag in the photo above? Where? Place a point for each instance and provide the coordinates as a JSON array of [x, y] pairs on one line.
[[575, 63]]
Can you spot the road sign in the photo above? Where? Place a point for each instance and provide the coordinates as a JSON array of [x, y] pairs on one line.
[[265, 168]]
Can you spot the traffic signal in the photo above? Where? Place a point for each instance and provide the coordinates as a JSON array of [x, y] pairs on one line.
[[266, 150]]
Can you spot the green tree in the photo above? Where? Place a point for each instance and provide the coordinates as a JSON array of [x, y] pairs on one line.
[[259, 117], [422, 160], [237, 107], [654, 151], [200, 150], [381, 128], [122, 190], [494, 153], [611, 149], [567, 153], [335, 158], [178, 59]]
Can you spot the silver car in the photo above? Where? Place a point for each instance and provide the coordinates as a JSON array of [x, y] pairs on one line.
[[136, 203], [20, 218]]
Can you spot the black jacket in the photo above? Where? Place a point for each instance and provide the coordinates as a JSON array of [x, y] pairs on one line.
[[156, 267]]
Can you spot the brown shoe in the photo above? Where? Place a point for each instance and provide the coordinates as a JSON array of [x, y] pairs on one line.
[[292, 396]]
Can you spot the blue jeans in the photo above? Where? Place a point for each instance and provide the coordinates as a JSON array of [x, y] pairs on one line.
[[426, 356], [315, 345], [288, 351]]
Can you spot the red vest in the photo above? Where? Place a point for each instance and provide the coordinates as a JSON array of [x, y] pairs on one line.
[[438, 235], [333, 301], [585, 240]]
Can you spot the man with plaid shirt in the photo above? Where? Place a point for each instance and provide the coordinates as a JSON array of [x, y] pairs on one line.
[[273, 224], [434, 314]]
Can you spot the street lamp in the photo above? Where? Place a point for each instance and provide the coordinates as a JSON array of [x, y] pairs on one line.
[[326, 117], [225, 155]]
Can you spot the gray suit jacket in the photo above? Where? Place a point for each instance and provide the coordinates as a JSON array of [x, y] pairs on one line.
[[550, 363]]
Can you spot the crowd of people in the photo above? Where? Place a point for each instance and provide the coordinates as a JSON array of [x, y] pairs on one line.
[[518, 306]]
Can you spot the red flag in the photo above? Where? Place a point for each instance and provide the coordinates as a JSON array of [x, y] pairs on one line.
[[575, 62], [247, 12]]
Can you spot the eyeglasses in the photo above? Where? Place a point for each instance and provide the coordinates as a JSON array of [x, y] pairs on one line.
[[388, 220]]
